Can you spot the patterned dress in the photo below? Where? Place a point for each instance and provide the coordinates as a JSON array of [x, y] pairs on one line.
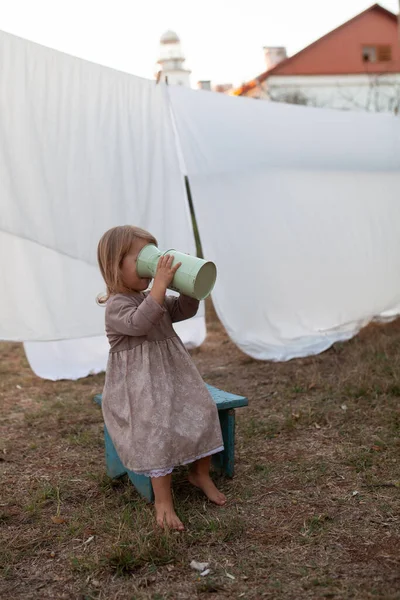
[[156, 407]]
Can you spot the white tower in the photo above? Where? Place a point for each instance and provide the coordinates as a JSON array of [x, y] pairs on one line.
[[171, 60]]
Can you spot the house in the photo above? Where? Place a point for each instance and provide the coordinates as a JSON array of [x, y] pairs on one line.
[[354, 67]]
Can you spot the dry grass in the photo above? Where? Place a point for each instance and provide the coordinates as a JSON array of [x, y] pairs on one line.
[[313, 510]]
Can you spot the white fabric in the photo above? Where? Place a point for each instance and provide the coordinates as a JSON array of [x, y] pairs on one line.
[[222, 134], [82, 148], [68, 359], [300, 209]]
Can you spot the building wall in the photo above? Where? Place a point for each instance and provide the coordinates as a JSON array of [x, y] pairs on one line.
[[172, 61], [177, 77], [340, 52], [377, 93], [171, 50]]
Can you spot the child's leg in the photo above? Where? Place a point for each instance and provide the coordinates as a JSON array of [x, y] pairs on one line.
[[199, 475], [165, 512]]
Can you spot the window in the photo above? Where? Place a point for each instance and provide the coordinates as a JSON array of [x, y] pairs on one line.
[[374, 54], [369, 54], [384, 53]]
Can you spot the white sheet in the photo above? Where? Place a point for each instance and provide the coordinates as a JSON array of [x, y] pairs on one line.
[[82, 148], [223, 134], [300, 209], [68, 359]]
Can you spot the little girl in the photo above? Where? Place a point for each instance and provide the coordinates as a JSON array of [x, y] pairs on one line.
[[156, 407]]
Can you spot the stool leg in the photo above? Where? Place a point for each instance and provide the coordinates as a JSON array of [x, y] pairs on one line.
[[115, 469], [114, 466], [143, 485], [225, 461]]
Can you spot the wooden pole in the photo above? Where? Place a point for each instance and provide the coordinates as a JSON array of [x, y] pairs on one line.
[[199, 248]]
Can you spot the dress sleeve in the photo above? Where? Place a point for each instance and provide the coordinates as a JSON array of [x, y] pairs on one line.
[[181, 308], [124, 315]]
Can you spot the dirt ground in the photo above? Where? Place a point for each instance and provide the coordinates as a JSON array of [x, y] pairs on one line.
[[313, 510]]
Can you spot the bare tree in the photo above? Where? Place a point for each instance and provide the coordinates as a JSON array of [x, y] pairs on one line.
[[293, 97], [383, 95]]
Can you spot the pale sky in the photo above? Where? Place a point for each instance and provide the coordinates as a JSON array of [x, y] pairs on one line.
[[222, 39]]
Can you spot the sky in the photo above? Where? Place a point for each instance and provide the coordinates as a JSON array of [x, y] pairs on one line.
[[222, 39]]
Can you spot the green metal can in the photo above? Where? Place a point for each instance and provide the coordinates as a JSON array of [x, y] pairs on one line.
[[195, 277]]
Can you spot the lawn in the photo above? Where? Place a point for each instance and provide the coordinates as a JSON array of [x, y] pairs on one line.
[[313, 511]]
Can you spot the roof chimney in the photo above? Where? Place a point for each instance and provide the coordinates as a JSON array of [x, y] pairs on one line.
[[273, 55], [204, 85]]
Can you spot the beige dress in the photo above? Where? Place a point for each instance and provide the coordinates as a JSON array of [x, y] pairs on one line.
[[156, 407]]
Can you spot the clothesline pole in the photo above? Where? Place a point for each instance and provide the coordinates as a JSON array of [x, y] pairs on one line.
[[199, 247]]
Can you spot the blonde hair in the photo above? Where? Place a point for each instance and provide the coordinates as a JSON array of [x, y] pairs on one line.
[[112, 249]]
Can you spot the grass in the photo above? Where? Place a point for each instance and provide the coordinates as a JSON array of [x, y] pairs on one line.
[[313, 510]]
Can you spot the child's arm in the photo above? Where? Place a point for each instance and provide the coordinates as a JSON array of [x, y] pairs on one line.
[[164, 275], [181, 308], [125, 316]]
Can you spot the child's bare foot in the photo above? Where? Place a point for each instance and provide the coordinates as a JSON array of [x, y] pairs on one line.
[[167, 517], [206, 484], [164, 505]]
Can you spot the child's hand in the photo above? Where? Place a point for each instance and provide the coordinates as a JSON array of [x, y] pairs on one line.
[[163, 277], [165, 271]]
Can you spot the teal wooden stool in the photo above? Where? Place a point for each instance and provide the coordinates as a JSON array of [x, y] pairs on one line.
[[224, 461]]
